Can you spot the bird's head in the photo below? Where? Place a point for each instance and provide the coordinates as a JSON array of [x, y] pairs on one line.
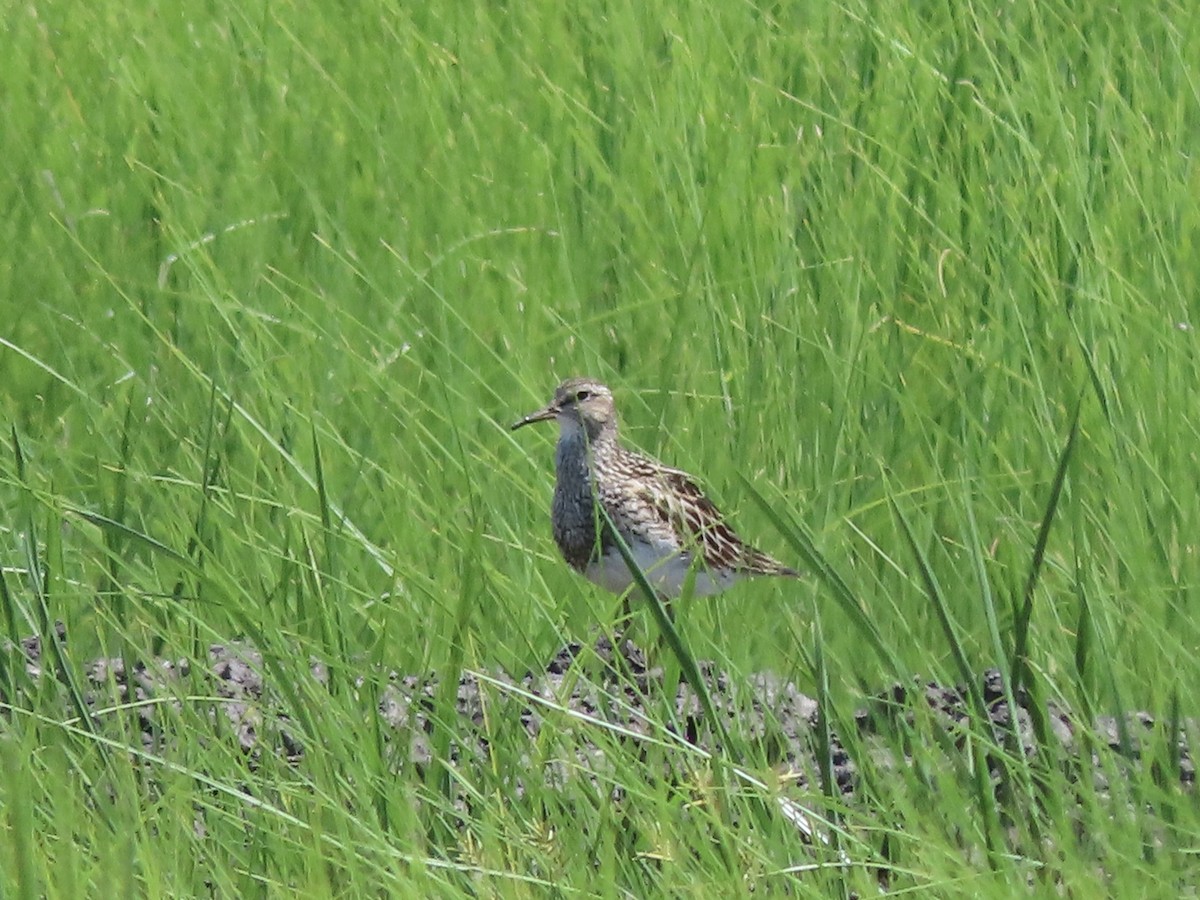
[[579, 403]]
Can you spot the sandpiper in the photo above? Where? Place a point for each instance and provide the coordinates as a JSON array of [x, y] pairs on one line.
[[666, 521]]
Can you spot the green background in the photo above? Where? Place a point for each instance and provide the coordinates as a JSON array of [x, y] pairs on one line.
[[274, 281]]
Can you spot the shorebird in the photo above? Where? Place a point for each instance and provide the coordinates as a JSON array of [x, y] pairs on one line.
[[673, 530]]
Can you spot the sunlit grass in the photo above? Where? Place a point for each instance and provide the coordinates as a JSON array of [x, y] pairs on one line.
[[277, 280]]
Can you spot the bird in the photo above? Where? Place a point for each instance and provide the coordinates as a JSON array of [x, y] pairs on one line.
[[674, 532]]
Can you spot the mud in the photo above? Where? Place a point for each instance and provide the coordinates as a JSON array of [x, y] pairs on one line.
[[611, 689]]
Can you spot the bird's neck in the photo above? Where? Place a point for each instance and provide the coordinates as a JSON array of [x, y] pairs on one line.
[[578, 450]]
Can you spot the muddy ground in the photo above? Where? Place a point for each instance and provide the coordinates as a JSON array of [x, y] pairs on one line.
[[620, 689]]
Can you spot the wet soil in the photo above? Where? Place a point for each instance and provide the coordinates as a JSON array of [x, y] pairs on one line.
[[611, 683]]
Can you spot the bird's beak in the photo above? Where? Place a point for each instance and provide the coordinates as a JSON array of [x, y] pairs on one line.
[[541, 415]]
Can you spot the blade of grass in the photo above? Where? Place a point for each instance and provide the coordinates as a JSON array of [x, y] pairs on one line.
[[210, 470], [1019, 666], [980, 719], [333, 635], [41, 580], [51, 641], [662, 618], [110, 592], [1014, 756], [824, 737], [106, 524], [441, 776], [19, 805], [1021, 672], [9, 648], [801, 540], [1085, 636]]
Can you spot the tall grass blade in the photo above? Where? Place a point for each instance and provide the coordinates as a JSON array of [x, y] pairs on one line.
[[1084, 638], [1021, 674], [110, 592], [41, 577], [11, 661], [824, 736], [104, 523], [933, 592], [970, 680], [801, 540], [326, 574], [18, 808], [688, 666], [1016, 779], [441, 776]]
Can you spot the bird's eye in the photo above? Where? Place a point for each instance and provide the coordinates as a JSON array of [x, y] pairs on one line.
[[580, 396]]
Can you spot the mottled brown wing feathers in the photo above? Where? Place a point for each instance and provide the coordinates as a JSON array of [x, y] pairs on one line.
[[681, 505]]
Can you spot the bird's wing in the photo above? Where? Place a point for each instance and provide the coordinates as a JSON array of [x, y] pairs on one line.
[[673, 498], [669, 503]]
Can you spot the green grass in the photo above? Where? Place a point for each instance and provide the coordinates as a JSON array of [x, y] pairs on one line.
[[275, 279]]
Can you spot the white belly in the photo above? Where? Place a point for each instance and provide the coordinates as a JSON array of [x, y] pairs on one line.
[[665, 570]]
